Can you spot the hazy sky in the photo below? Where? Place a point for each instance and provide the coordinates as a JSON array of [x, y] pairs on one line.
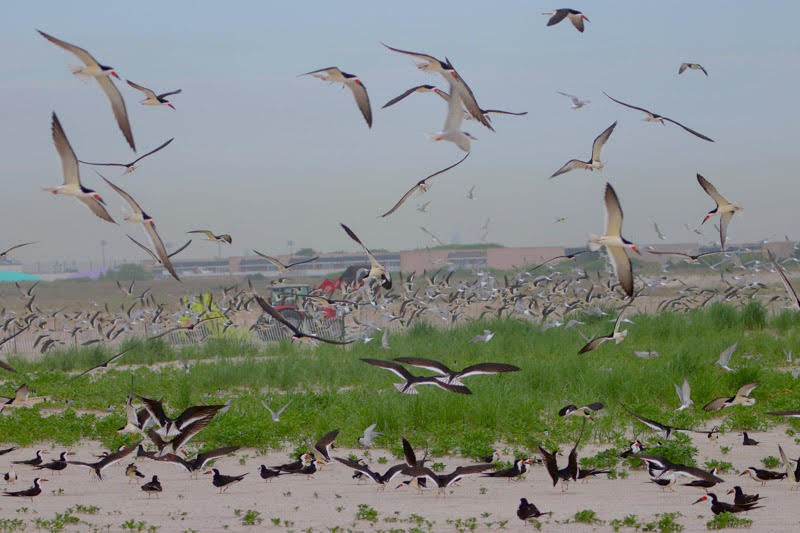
[[268, 156]]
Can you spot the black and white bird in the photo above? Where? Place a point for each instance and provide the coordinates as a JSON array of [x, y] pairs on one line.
[[410, 383], [455, 376], [574, 16], [654, 117], [352, 82], [93, 69], [152, 97], [594, 162], [692, 66], [724, 209], [422, 186]]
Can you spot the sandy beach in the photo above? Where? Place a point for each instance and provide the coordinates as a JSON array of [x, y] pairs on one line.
[[331, 499]]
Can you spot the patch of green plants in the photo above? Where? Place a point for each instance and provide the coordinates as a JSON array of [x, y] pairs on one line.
[[586, 516], [250, 517], [12, 524], [666, 523], [770, 461], [630, 521], [728, 521], [723, 466], [59, 522], [365, 512]]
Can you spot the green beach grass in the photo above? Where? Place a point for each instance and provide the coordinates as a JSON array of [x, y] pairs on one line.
[[331, 388]]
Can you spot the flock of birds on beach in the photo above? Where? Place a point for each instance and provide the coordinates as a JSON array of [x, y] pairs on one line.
[[545, 297]]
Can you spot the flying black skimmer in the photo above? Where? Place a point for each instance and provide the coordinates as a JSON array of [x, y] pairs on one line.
[[614, 242], [157, 259], [616, 335], [93, 69], [485, 112], [369, 436], [199, 461], [129, 167], [747, 440], [594, 162], [587, 411], [376, 270], [574, 16], [56, 465], [569, 472], [792, 472], [762, 475], [152, 487], [296, 333], [692, 66], [527, 510], [443, 481], [282, 267], [458, 86], [795, 301], [740, 498], [412, 382], [110, 459], [36, 461], [455, 376], [718, 507], [654, 117], [724, 208], [210, 236], [171, 427], [5, 253], [742, 397], [322, 448], [222, 482], [417, 89], [663, 429], [138, 216], [28, 493], [422, 186], [275, 415], [381, 479], [700, 478], [351, 81], [152, 97], [105, 363], [72, 181], [132, 472], [567, 257], [519, 467], [690, 258], [577, 103]]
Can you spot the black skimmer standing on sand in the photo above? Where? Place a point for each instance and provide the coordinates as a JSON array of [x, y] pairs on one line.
[[36, 461], [267, 473], [519, 467], [412, 382], [129, 167], [28, 493], [132, 472], [718, 507], [635, 447], [295, 466], [594, 162], [654, 117], [747, 440], [421, 186], [93, 69], [458, 86], [110, 459], [742, 397], [138, 216], [614, 242], [222, 482], [152, 487], [692, 66], [527, 510], [586, 411], [454, 377], [351, 81], [573, 15], [152, 97], [740, 498], [56, 465], [666, 481], [11, 475], [762, 476], [724, 209], [700, 478], [72, 185]]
